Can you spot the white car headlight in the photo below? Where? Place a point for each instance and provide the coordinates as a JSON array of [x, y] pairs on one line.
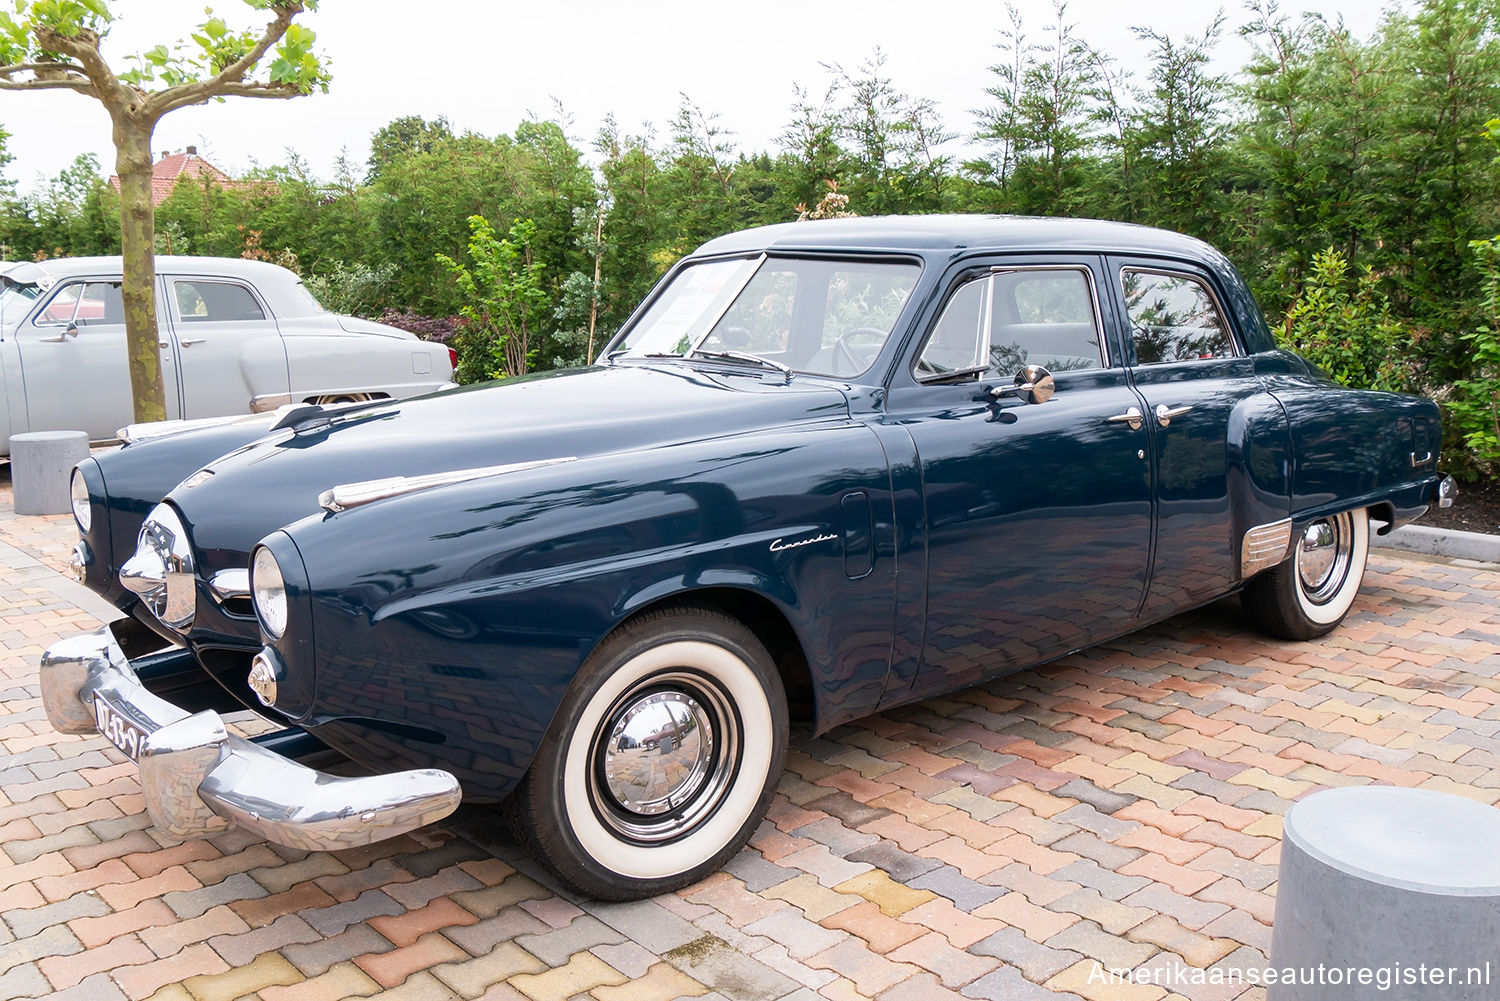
[[83, 512], [269, 592]]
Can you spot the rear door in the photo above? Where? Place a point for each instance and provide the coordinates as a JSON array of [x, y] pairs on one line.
[[1188, 363], [75, 364], [228, 346]]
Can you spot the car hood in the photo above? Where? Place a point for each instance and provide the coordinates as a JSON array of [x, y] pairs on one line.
[[576, 413]]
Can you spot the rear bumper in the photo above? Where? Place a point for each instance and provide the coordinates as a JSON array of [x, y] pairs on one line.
[[199, 780]]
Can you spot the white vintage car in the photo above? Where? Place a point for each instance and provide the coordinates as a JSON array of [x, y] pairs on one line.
[[236, 337]]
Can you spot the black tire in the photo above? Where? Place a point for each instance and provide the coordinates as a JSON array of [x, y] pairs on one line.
[[1309, 593], [599, 808]]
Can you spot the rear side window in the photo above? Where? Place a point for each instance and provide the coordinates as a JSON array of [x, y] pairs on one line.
[[201, 301], [1174, 317]]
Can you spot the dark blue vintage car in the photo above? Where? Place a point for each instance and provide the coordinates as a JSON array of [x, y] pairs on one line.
[[825, 469]]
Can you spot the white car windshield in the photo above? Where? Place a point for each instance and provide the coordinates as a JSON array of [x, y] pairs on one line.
[[15, 301], [816, 315]]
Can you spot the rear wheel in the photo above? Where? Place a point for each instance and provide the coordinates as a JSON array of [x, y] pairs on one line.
[[661, 759], [1311, 591], [332, 398]]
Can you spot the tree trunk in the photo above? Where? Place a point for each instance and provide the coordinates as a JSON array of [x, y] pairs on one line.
[[138, 244]]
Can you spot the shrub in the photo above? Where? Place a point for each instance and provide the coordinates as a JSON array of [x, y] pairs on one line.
[[1473, 407], [353, 289], [1345, 327]]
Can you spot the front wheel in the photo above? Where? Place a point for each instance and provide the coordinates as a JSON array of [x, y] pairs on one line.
[[1311, 591], [661, 759]]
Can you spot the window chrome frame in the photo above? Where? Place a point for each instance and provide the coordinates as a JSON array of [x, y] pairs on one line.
[[987, 319], [175, 304], [1237, 347]]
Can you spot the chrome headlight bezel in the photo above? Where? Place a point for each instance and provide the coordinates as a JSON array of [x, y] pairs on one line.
[[83, 508], [268, 593]]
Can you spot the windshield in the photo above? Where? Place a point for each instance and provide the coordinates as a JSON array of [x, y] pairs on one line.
[[16, 300], [823, 317]]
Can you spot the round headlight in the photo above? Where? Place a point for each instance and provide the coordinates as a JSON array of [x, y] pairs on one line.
[[83, 512], [269, 592]]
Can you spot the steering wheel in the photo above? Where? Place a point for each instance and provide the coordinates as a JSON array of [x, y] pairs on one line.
[[843, 346]]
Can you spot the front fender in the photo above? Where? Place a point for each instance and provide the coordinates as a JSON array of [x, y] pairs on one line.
[[455, 639], [126, 483]]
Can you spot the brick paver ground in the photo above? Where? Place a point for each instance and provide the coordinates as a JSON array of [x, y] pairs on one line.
[[1120, 807]]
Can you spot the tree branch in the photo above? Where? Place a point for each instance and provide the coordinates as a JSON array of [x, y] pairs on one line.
[[231, 76], [271, 90], [84, 47], [82, 86]]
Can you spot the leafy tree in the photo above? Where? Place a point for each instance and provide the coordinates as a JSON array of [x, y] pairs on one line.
[[1052, 130], [1178, 132], [56, 44], [404, 136], [503, 300], [891, 140], [999, 130]]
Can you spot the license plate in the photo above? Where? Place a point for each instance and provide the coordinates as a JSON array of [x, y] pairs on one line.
[[121, 732]]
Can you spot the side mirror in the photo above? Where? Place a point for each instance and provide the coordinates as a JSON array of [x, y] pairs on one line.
[[1033, 384], [72, 330]]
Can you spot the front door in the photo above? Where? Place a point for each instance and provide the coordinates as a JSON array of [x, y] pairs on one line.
[[75, 365], [1038, 514], [228, 346]]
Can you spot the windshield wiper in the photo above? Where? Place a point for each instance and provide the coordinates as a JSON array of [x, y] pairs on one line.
[[743, 356]]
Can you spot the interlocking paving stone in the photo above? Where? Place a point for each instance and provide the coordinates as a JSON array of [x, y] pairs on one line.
[[1001, 824], [710, 961]]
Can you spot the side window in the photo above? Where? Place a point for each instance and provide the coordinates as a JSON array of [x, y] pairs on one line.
[[1173, 317], [60, 310], [955, 344], [1011, 318], [100, 303], [199, 301], [1044, 317]]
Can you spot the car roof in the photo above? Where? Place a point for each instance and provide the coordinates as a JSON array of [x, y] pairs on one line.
[[948, 233], [66, 267]]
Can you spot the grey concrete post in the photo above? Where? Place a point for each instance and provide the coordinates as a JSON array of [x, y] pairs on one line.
[[41, 464], [1388, 893]]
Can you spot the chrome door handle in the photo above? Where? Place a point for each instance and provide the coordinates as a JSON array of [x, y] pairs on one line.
[[163, 344], [1164, 413], [1133, 417], [189, 342]]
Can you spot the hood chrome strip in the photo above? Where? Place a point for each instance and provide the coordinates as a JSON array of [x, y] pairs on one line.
[[348, 495]]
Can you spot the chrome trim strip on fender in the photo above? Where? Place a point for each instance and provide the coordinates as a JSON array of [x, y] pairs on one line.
[[199, 779], [1264, 546], [347, 495]]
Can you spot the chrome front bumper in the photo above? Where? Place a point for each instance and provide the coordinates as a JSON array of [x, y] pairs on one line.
[[199, 780]]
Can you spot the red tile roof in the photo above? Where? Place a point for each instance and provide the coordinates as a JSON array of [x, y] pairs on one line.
[[170, 169]]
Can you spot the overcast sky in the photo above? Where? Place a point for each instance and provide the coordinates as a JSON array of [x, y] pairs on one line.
[[485, 65]]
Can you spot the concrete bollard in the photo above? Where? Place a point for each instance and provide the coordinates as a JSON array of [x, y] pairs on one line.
[[1387, 893], [41, 465]]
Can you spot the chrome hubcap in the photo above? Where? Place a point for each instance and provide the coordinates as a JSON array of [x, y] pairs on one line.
[[1323, 555], [664, 757]]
